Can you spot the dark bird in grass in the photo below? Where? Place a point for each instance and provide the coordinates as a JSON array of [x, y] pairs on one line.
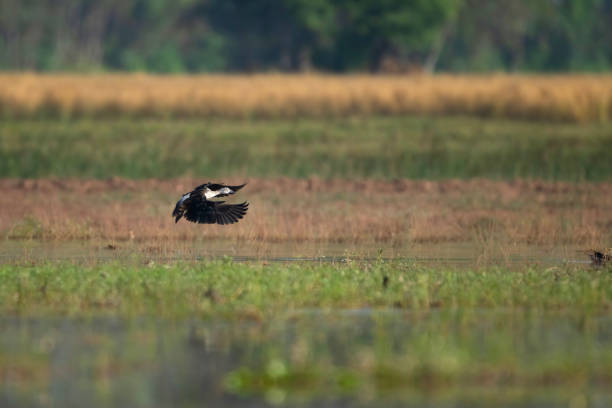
[[196, 207], [600, 257]]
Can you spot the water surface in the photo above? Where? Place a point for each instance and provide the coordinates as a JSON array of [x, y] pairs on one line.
[[453, 253], [309, 358]]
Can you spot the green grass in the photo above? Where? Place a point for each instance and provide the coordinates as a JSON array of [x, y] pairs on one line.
[[236, 290], [383, 147], [293, 333]]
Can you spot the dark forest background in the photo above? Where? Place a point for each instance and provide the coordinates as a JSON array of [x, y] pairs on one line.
[[301, 35]]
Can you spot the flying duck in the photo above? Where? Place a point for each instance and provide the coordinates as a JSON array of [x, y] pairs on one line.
[[196, 207]]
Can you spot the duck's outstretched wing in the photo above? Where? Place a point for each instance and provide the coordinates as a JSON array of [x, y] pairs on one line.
[[216, 190], [223, 190], [215, 212]]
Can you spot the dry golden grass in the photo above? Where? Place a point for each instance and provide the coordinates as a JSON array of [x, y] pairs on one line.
[[394, 212], [561, 97]]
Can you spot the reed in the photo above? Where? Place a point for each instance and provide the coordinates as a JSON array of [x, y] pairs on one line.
[[577, 98]]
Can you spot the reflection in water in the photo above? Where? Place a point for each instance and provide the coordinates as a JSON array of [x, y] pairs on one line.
[[310, 358], [444, 358]]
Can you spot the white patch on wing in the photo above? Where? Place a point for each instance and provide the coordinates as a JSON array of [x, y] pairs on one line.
[[208, 193]]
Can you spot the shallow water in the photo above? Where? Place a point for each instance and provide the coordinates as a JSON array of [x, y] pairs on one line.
[[309, 358], [454, 253], [306, 358]]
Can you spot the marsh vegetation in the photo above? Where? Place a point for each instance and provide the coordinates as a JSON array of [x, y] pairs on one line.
[[431, 148], [385, 259], [378, 331]]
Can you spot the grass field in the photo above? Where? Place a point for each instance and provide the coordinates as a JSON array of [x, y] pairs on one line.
[[261, 291], [577, 98], [382, 148], [133, 312]]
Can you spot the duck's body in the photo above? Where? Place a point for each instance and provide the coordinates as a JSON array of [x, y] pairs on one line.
[[600, 256], [196, 207]]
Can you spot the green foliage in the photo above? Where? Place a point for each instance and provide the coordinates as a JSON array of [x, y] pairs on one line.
[[374, 30], [429, 148], [216, 35], [528, 35]]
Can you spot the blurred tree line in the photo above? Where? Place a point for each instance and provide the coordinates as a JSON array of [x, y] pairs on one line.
[[299, 35]]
